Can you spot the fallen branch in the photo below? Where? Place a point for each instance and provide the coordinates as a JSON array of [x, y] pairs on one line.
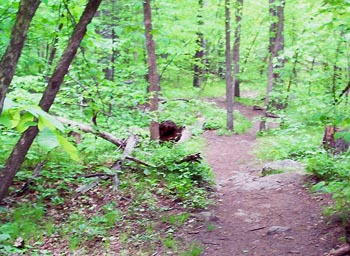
[[118, 165], [271, 115], [342, 251], [30, 181], [89, 129], [94, 175], [190, 158], [139, 161]]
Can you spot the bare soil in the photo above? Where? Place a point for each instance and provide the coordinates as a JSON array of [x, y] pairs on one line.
[[250, 208]]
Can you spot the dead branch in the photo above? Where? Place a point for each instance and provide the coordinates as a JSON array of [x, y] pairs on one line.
[[130, 145], [139, 161], [344, 91], [256, 107], [342, 251], [29, 182], [117, 166], [94, 175], [89, 129], [271, 115], [190, 158]]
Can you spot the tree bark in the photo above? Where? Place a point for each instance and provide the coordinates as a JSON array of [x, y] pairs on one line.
[[229, 90], [199, 55], [19, 152], [276, 46], [153, 77], [236, 48], [13, 52], [274, 79]]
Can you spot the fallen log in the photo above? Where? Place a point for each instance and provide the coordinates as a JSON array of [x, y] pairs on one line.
[[89, 129], [341, 251]]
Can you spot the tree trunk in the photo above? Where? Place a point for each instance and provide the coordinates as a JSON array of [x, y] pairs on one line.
[[229, 90], [199, 55], [10, 59], [153, 77], [275, 81], [236, 49], [19, 152]]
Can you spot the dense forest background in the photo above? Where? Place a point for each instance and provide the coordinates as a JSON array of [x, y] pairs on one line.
[[106, 97]]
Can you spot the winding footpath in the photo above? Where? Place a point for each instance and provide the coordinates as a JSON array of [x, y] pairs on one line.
[[261, 216]]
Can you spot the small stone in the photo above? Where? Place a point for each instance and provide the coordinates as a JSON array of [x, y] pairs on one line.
[[282, 166], [277, 229], [19, 243], [207, 216]]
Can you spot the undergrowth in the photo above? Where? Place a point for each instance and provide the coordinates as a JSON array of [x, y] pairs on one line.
[[299, 137], [155, 198]]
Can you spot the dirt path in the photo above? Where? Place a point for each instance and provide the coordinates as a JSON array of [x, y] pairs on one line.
[[262, 216]]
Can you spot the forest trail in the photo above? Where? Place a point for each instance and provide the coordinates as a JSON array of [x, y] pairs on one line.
[[273, 215]]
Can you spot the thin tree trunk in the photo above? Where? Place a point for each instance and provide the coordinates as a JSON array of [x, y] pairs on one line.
[[54, 48], [236, 48], [293, 76], [250, 48], [19, 152], [336, 72], [10, 59], [199, 55], [275, 48], [153, 77], [274, 80], [229, 89]]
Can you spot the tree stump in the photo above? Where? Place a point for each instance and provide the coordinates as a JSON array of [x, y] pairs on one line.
[[169, 131]]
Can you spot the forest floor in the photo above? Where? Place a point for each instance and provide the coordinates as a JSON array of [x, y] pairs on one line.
[[275, 215]]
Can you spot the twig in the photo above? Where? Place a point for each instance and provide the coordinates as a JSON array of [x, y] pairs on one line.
[[139, 161], [257, 228], [93, 175]]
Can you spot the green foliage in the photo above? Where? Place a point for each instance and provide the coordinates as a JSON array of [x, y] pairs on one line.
[[333, 173], [325, 167], [80, 229], [176, 220], [25, 221], [315, 75], [23, 117], [292, 140], [183, 179], [194, 250]]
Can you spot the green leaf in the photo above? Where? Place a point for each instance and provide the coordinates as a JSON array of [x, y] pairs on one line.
[[4, 237], [45, 119], [8, 104], [5, 119], [47, 139], [146, 172], [26, 121], [10, 115], [68, 147]]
